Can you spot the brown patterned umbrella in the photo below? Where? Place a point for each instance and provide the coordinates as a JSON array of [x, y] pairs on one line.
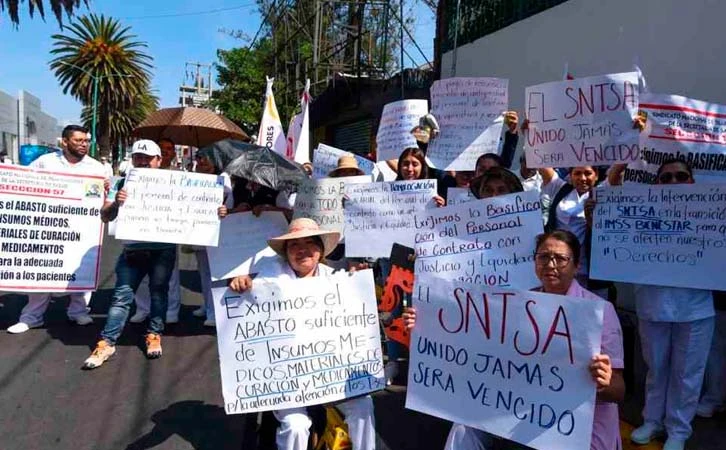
[[195, 127]]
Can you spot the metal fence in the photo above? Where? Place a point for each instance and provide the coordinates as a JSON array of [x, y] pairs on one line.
[[479, 18]]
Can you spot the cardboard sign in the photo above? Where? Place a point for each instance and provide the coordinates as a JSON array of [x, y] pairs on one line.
[[582, 122], [292, 343], [242, 245], [469, 113], [512, 363], [386, 212], [170, 206], [50, 230], [325, 160], [322, 201], [665, 235], [394, 132], [683, 128], [489, 242]]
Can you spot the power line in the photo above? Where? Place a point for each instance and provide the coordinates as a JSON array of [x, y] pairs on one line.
[[195, 13]]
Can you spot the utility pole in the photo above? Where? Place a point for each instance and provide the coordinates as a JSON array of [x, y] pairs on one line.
[[192, 91]]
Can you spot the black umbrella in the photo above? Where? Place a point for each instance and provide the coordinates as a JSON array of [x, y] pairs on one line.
[[254, 163]]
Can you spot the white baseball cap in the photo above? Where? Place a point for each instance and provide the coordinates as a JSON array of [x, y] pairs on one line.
[[146, 147]]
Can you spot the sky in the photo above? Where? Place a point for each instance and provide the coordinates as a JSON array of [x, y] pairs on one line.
[[176, 31]]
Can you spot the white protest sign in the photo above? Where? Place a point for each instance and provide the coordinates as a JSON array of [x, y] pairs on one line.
[[582, 122], [292, 343], [457, 196], [170, 206], [683, 128], [666, 235], [469, 113], [325, 159], [394, 131], [489, 242], [243, 243], [322, 201], [50, 230], [379, 214], [112, 191], [509, 362]]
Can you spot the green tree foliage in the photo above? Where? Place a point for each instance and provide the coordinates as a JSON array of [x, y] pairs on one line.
[[58, 7], [100, 47]]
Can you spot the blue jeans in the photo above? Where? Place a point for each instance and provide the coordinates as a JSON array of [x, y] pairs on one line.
[[158, 265]]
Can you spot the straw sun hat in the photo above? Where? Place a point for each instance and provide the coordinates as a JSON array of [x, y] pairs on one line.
[[346, 162], [302, 228]]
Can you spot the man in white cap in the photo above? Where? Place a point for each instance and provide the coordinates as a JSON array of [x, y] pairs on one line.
[[137, 260], [72, 159]]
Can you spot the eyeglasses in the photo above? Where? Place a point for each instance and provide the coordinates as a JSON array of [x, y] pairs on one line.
[[542, 259], [667, 177]]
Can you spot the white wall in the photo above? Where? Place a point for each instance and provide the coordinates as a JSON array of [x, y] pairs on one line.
[[679, 45], [9, 124], [46, 126]]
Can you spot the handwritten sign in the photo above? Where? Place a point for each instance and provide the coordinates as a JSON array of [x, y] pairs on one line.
[[512, 363], [384, 210], [112, 191], [667, 235], [322, 201], [394, 131], [50, 230], [291, 343], [457, 196], [170, 206], [242, 245], [683, 128], [325, 160], [489, 242], [469, 112], [583, 122]]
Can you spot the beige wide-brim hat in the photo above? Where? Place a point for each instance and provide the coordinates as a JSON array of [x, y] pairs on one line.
[[302, 228], [346, 162]]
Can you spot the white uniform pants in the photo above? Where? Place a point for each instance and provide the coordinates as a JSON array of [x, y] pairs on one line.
[[32, 314], [462, 437], [205, 277], [675, 353], [143, 295], [294, 430], [714, 380]]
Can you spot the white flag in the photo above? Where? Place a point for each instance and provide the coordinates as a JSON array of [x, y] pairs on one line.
[[298, 135], [271, 134]]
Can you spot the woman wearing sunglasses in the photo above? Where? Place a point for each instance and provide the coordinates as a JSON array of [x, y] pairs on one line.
[[557, 260], [676, 327]]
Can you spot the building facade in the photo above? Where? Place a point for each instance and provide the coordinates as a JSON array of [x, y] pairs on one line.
[[23, 121]]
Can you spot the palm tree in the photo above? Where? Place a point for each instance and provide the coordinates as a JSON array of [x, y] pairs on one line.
[[57, 6], [99, 48]]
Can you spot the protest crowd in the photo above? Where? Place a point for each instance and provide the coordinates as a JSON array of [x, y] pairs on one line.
[[500, 286]]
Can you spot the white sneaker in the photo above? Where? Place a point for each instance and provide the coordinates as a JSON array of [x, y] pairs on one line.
[[646, 433], [139, 317], [172, 318], [22, 327], [83, 320], [210, 323], [674, 444], [200, 312]]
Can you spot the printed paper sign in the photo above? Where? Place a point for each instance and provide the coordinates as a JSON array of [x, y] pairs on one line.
[[666, 235], [386, 212], [583, 122], [457, 196], [242, 245], [394, 132], [683, 128], [512, 363], [50, 230], [293, 343], [469, 113], [325, 160], [322, 201], [489, 242], [170, 206]]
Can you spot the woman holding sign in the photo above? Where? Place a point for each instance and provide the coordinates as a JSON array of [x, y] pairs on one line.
[[301, 251], [557, 261], [676, 327]]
